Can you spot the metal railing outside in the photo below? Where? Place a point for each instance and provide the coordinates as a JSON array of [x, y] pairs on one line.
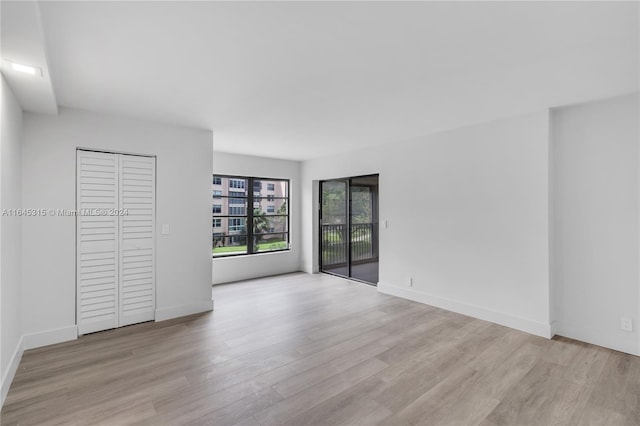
[[335, 243]]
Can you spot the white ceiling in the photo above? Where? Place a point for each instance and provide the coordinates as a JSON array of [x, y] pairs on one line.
[[300, 80], [22, 41]]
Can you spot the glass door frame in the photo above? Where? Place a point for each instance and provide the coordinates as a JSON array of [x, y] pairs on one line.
[[348, 225]]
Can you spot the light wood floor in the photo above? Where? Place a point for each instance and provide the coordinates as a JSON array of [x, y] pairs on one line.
[[319, 350]]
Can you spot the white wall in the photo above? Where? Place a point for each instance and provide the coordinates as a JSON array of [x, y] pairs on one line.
[[245, 267], [595, 221], [10, 238], [468, 218], [184, 170]]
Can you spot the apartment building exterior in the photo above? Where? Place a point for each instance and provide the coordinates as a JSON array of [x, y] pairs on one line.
[[232, 196]]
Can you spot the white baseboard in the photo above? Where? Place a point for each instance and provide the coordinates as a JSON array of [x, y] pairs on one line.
[[50, 337], [171, 312], [508, 320], [599, 338], [11, 371]]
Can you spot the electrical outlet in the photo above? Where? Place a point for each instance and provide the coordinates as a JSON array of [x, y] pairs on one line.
[[409, 281], [626, 324]]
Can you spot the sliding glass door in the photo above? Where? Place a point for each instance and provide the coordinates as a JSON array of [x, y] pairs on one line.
[[334, 227], [349, 228], [363, 215]]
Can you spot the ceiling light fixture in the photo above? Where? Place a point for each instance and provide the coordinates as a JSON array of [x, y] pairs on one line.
[[26, 69]]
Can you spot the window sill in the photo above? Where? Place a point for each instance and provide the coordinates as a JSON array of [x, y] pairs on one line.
[[272, 252]]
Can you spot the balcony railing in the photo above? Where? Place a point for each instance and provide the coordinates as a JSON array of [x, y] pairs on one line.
[[364, 243]]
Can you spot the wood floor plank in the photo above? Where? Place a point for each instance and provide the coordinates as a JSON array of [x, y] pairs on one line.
[[238, 411], [598, 416], [301, 381], [302, 349], [346, 408], [543, 396], [444, 394], [301, 402], [499, 380]]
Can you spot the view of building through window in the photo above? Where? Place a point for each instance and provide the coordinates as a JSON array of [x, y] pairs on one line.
[[250, 215]]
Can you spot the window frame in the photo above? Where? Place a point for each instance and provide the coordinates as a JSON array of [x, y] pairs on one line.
[[249, 213]]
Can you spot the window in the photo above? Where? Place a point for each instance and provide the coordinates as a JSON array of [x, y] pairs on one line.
[[236, 225], [237, 211], [246, 222], [237, 183], [257, 186], [237, 200]]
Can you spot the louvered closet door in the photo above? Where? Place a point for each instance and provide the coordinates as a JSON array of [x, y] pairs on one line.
[[97, 242], [115, 240], [137, 239]]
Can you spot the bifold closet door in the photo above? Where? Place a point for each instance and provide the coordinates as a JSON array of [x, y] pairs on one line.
[[97, 241], [137, 239], [115, 240]]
